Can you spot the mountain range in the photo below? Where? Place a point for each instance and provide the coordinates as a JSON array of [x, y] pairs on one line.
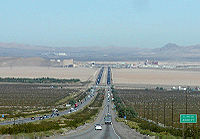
[[168, 52]]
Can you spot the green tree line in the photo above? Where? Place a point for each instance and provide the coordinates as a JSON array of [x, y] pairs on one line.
[[39, 80]]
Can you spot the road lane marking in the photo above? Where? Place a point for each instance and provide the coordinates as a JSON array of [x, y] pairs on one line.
[[115, 132]]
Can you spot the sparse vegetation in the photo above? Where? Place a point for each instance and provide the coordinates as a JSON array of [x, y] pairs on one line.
[[67, 121], [19, 100], [98, 100], [158, 110], [38, 80]]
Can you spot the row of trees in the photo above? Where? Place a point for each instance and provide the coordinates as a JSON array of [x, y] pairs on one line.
[[30, 127], [39, 80], [122, 109]]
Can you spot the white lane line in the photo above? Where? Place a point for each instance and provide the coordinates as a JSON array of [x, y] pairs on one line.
[[115, 132]]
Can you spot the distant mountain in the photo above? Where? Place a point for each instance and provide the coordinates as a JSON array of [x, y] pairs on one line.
[[168, 52], [170, 46]]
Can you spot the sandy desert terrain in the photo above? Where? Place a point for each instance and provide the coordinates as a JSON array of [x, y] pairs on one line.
[[34, 72], [154, 76]]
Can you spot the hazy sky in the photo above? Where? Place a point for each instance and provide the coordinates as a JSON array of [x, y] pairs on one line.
[[137, 23]]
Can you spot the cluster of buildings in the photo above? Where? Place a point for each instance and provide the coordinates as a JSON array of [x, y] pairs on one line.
[[145, 64], [181, 88], [150, 62], [62, 62]]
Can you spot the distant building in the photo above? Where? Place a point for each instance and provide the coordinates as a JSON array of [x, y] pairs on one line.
[[52, 60], [182, 88], [147, 62], [68, 63], [62, 54]]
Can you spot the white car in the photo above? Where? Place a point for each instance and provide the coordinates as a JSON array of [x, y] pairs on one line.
[[98, 127]]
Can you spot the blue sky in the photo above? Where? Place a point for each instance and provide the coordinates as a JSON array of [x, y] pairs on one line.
[[130, 23]]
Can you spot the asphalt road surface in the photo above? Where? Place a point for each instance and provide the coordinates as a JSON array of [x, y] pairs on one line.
[[107, 131], [114, 131]]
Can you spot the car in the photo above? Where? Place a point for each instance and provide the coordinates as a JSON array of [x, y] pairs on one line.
[[98, 127], [41, 118], [71, 110], [32, 118], [75, 109]]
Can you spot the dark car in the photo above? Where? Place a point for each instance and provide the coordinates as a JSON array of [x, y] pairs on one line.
[[44, 116], [32, 118], [41, 118]]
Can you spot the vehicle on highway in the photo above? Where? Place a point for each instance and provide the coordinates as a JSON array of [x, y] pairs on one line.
[[98, 127], [55, 112], [108, 119], [75, 105], [71, 110], [68, 105], [32, 118], [41, 118]]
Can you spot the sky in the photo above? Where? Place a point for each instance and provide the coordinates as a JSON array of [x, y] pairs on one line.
[[100, 23]]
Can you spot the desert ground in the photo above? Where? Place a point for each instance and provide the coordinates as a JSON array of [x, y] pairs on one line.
[[53, 72], [156, 77], [120, 76]]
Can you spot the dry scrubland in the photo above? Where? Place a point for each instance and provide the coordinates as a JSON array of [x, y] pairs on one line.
[[23, 99], [155, 76], [36, 72], [151, 104]]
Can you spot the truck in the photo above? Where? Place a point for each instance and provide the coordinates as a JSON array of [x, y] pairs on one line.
[[108, 119]]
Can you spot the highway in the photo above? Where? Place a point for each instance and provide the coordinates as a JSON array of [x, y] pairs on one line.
[[86, 101], [114, 131], [108, 131]]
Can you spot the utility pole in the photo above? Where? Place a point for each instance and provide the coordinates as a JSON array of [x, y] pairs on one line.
[[157, 114], [152, 111], [148, 111], [157, 110], [172, 111], [140, 109], [144, 109], [186, 104], [164, 113]]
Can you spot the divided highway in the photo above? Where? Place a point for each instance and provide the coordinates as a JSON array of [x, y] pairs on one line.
[[108, 131], [87, 101]]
